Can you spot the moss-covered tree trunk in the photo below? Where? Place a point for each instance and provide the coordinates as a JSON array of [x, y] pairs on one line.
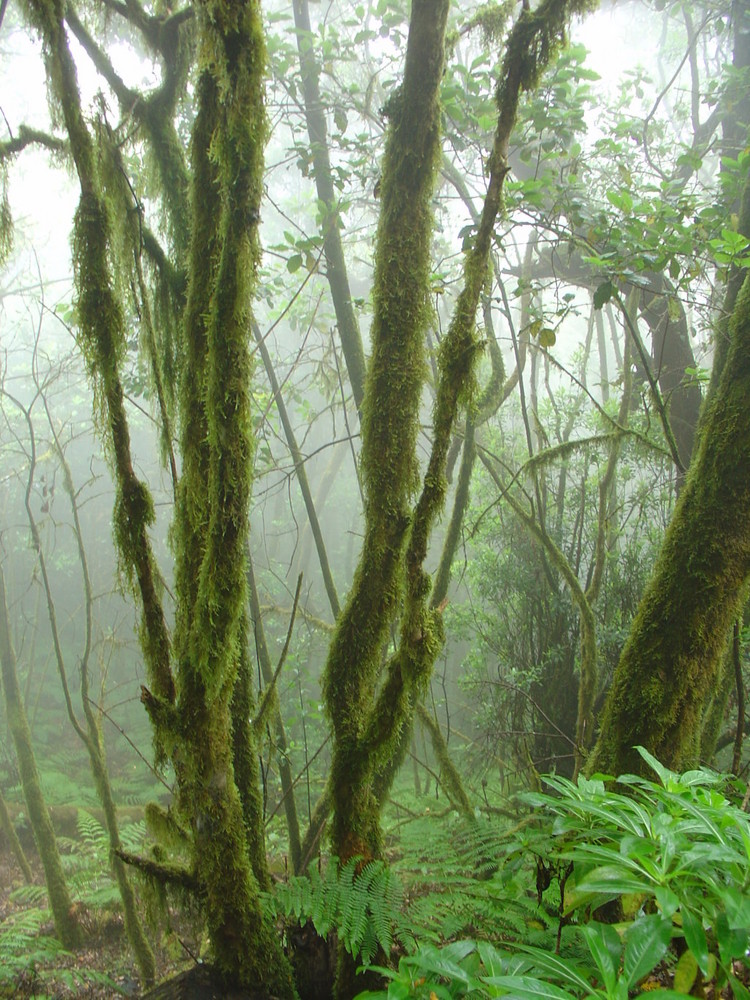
[[201, 711], [673, 654], [213, 502], [371, 724], [61, 904], [390, 422], [6, 825]]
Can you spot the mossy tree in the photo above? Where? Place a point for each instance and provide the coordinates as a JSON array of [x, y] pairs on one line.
[[58, 893], [673, 656], [372, 708], [89, 730], [199, 698]]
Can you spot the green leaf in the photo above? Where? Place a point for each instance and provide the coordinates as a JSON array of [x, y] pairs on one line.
[[695, 938], [294, 263], [547, 337], [492, 960], [666, 776], [732, 940], [685, 972], [398, 991], [526, 986], [674, 309], [606, 947], [740, 992], [603, 294], [613, 880], [555, 965], [646, 942]]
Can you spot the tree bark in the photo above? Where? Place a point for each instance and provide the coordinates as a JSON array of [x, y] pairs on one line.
[[61, 904], [672, 657]]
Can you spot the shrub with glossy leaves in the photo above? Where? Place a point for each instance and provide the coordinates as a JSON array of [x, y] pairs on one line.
[[673, 853]]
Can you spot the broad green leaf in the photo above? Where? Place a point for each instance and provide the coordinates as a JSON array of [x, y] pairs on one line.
[[660, 993], [646, 942], [732, 940], [613, 880], [526, 986], [603, 294], [491, 958], [555, 965], [740, 992], [398, 991], [666, 900], [456, 951], [665, 775], [685, 972], [547, 337], [606, 947]]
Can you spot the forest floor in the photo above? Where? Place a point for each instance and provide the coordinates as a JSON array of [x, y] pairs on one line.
[[31, 962]]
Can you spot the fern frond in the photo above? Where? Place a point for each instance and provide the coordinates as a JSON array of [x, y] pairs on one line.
[[92, 833], [29, 895], [362, 902]]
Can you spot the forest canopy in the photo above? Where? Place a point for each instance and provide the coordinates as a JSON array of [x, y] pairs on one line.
[[375, 451]]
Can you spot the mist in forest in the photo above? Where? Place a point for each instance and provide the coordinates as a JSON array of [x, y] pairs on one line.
[[371, 447]]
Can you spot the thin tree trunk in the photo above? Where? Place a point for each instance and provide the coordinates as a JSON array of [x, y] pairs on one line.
[[60, 901], [6, 825], [336, 273], [282, 745]]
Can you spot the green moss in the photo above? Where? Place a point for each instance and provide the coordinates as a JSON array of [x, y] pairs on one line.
[[390, 424], [671, 660], [245, 756], [213, 500], [6, 221]]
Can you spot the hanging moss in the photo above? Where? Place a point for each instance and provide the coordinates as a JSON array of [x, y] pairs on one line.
[[536, 37], [102, 336], [6, 220], [102, 341], [171, 40]]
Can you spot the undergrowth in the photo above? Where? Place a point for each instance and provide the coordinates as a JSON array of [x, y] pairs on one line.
[[667, 862], [31, 958], [362, 903]]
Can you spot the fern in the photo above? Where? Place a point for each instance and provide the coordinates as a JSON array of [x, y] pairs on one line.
[[361, 902], [132, 836], [23, 947], [26, 953], [92, 834], [29, 895], [470, 881]]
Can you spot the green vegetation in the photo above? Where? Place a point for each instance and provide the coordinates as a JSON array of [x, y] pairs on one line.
[[375, 489], [675, 855]]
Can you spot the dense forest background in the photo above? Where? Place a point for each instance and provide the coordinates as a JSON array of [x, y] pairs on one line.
[[375, 441]]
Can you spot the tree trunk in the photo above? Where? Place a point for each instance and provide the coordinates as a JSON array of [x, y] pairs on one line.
[[672, 657], [61, 904]]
